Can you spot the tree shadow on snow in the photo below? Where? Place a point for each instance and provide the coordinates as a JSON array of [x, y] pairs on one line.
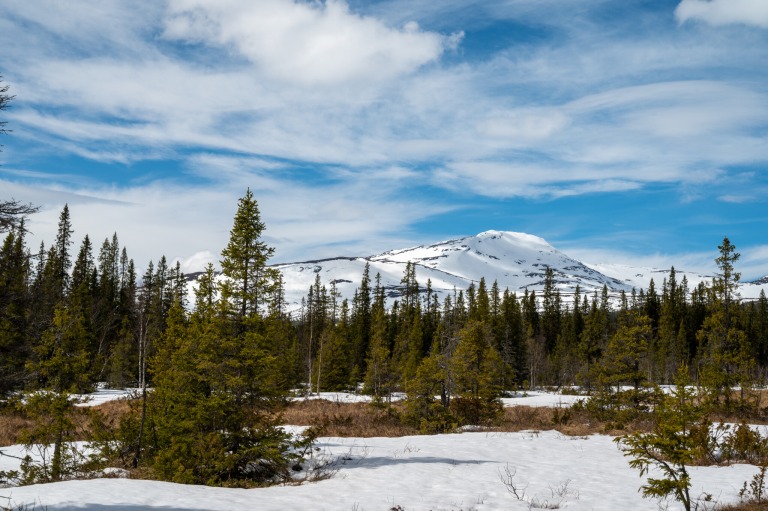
[[383, 461]]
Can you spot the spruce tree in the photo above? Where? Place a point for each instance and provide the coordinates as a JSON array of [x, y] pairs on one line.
[[244, 260], [14, 306], [728, 279], [362, 320], [60, 370], [218, 378], [672, 444], [477, 371]]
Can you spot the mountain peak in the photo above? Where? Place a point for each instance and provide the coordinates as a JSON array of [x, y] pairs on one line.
[[516, 261]]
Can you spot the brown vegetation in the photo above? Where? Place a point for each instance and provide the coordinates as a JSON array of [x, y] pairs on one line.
[[366, 420], [347, 419], [13, 423], [744, 506]]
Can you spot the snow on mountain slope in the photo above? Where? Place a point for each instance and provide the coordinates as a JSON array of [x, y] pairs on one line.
[[640, 278], [517, 261]]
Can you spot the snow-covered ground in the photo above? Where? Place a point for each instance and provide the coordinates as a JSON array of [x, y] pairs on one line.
[[468, 471], [443, 472], [103, 395]]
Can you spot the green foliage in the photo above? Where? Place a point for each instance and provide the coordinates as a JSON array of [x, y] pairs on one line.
[[53, 418], [379, 377], [245, 260], [477, 371], [672, 445], [61, 368], [218, 377], [744, 445], [422, 407], [756, 492], [14, 304]]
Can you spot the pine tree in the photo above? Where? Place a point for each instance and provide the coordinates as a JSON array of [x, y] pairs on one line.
[[512, 346], [218, 377], [728, 279], [60, 368], [244, 260], [379, 375], [361, 313], [551, 317], [723, 345], [671, 447], [673, 343], [627, 352], [422, 408], [593, 340], [14, 304], [477, 371]]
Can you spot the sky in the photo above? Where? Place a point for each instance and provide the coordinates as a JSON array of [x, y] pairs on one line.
[[631, 132]]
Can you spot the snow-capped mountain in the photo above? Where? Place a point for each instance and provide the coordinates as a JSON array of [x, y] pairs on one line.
[[516, 261]]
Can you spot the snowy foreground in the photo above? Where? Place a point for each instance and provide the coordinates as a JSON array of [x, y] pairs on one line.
[[443, 472]]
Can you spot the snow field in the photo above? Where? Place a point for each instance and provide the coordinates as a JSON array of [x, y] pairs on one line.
[[438, 473], [468, 471]]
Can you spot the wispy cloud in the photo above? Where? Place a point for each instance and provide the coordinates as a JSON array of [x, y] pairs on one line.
[[358, 121], [724, 12]]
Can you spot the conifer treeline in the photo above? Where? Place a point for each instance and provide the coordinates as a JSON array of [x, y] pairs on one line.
[[537, 340], [114, 320]]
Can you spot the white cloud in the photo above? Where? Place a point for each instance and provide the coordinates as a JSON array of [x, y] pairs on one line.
[[724, 12], [255, 93], [738, 198], [524, 125], [196, 262], [307, 43], [304, 220]]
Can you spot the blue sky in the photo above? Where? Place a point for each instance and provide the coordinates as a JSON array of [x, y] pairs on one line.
[[630, 132]]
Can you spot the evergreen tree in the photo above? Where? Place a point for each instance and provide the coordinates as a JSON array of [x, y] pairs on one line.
[[244, 260], [422, 408], [593, 339], [362, 320], [672, 444], [551, 317], [672, 349], [218, 377], [379, 375], [723, 346], [14, 304], [511, 345], [477, 372], [627, 352], [728, 279], [60, 369]]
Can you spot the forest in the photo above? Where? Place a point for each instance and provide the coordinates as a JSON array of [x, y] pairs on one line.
[[211, 374]]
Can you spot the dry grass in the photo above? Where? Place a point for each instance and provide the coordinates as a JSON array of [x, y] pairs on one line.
[[365, 420], [360, 420], [564, 420], [13, 423], [346, 419], [112, 411], [744, 506]]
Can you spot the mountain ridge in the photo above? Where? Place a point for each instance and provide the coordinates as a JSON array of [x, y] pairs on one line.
[[516, 261]]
